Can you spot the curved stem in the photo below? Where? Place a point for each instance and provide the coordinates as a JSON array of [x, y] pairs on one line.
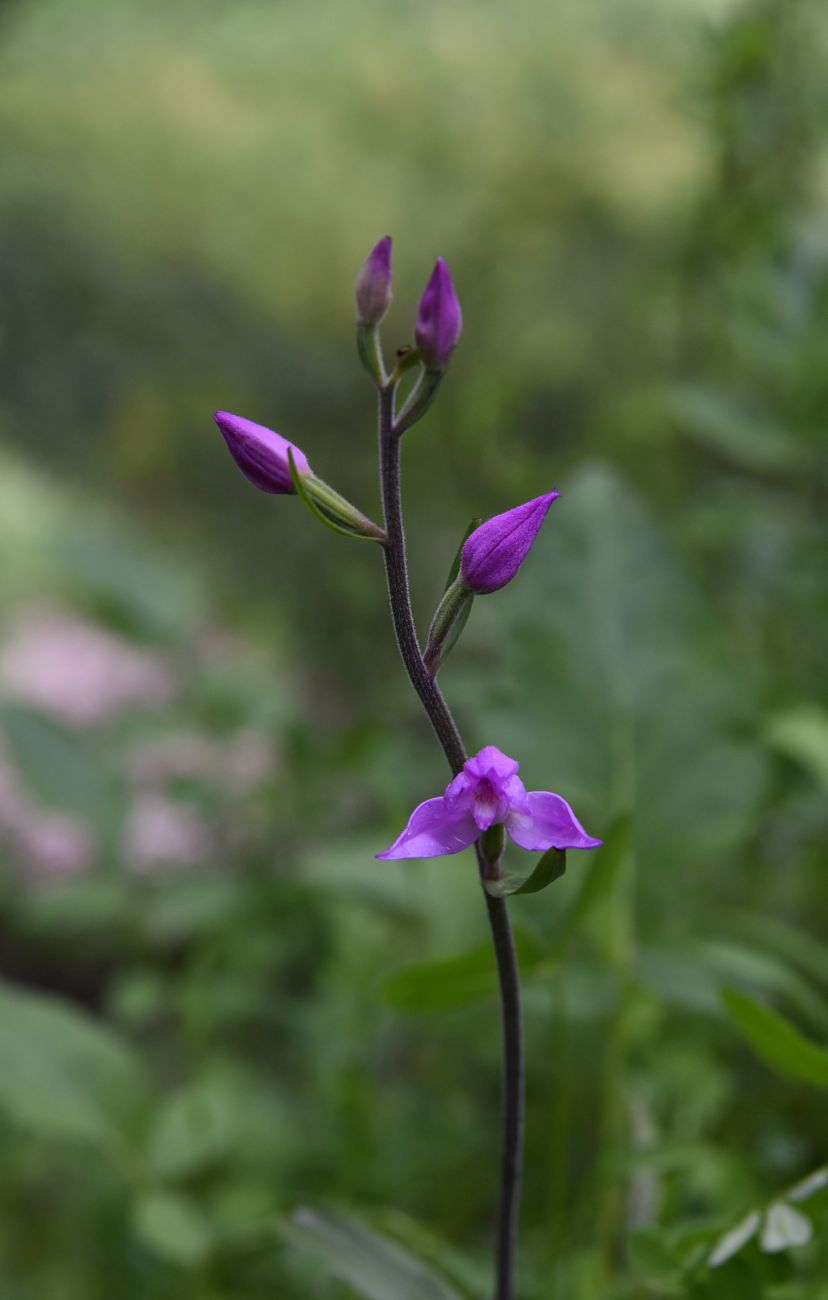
[[449, 737]]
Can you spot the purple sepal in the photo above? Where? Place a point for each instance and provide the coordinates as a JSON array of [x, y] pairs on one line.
[[488, 792], [374, 284], [495, 551], [434, 830], [439, 318], [260, 453]]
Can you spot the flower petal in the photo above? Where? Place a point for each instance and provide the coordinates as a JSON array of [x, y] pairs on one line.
[[494, 552], [434, 828], [260, 453], [490, 762], [549, 823]]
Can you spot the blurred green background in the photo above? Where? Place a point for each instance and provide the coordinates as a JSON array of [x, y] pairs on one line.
[[217, 1009]]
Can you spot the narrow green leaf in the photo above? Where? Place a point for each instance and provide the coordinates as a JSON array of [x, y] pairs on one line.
[[322, 514], [550, 868], [376, 1266], [733, 1240], [754, 970], [810, 1185], [455, 564], [447, 625], [782, 1226], [453, 981], [601, 872], [777, 1041]]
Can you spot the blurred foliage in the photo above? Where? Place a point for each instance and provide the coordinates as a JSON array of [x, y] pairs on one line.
[[238, 1058]]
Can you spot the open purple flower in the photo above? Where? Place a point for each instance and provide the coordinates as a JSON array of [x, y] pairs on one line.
[[439, 318], [486, 793], [494, 552], [260, 453]]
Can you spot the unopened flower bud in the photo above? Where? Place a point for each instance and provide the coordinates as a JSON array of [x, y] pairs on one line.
[[439, 318], [494, 552], [373, 286], [260, 453]]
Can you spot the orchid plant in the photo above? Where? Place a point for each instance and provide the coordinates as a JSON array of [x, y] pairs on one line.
[[485, 802]]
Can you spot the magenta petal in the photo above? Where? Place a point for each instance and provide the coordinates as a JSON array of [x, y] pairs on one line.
[[494, 552], [260, 453], [434, 828], [549, 823], [373, 286], [439, 318]]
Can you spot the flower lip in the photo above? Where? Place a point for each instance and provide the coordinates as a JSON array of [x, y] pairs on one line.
[[260, 453], [493, 554], [485, 793]]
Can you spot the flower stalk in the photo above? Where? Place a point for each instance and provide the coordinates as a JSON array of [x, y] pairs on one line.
[[446, 730], [486, 800]]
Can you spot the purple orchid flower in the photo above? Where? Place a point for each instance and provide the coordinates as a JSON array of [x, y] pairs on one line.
[[260, 453], [486, 793], [373, 286], [494, 552], [439, 318]]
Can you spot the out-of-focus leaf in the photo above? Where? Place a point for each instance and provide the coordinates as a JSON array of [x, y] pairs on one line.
[[601, 868], [651, 1258], [453, 981], [612, 645], [194, 1127], [730, 963], [733, 1240], [194, 904], [802, 734], [783, 1228], [58, 766], [809, 1186], [62, 1074], [227, 1116], [777, 1041], [677, 975], [377, 1267], [768, 933], [172, 1227], [741, 433], [132, 582], [550, 868], [458, 555]]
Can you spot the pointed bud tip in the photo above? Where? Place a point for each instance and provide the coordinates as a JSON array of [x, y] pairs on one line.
[[260, 453], [493, 554]]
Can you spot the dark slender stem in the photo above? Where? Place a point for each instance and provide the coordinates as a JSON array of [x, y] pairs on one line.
[[396, 571], [449, 737]]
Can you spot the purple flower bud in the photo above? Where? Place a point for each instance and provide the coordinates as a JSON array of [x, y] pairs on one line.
[[373, 286], [495, 551], [439, 319], [261, 454]]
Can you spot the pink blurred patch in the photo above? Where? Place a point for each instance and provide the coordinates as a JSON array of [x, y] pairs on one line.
[[161, 834], [54, 843], [77, 672], [239, 764]]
